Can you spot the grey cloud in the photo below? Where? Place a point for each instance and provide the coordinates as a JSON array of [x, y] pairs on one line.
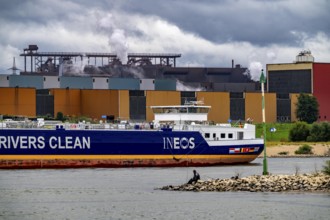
[[258, 22], [230, 28], [38, 11]]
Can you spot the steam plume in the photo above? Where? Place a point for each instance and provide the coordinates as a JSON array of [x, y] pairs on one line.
[[255, 68], [182, 87], [116, 36]]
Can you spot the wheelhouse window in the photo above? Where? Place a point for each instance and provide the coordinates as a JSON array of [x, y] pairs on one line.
[[222, 135], [230, 135], [240, 135], [180, 109], [198, 109], [207, 135]]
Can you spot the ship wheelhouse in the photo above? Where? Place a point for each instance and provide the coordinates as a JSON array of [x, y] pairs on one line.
[[181, 114], [193, 117]]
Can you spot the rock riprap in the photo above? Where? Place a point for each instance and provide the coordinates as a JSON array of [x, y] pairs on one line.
[[260, 183]]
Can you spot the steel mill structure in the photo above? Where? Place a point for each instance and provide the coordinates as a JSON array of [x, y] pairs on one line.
[[100, 85]]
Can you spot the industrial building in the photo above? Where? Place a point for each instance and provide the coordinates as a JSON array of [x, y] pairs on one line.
[[303, 76], [98, 85]]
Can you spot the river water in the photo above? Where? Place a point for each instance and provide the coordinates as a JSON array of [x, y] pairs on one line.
[[129, 193]]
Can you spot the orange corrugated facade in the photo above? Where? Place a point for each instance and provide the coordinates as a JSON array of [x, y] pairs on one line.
[[91, 103], [7, 101], [96, 103], [220, 105], [18, 101], [67, 101], [294, 100], [123, 104], [253, 107], [154, 98]]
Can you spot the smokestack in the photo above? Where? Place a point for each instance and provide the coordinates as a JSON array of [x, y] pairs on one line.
[[232, 63]]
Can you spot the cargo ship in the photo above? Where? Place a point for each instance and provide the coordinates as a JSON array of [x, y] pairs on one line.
[[179, 136]]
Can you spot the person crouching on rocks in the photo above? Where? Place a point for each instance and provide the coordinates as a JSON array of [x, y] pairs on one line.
[[195, 178]]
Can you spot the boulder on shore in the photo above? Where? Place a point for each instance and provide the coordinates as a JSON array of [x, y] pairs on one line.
[[260, 183]]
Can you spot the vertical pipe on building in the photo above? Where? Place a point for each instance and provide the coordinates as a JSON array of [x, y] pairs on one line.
[[312, 79], [31, 63], [24, 63]]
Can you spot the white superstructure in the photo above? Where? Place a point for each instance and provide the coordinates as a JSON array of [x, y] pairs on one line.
[[180, 114], [193, 117]]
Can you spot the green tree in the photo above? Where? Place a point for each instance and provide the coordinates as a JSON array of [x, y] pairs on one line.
[[307, 108]]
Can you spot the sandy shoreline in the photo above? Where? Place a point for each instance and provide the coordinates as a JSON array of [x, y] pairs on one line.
[[319, 149]]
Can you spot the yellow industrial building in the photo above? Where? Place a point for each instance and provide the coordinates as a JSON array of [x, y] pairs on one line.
[[97, 103]]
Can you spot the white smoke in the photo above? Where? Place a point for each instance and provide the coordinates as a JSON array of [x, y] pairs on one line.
[[182, 87], [116, 36], [255, 68], [68, 67], [136, 71]]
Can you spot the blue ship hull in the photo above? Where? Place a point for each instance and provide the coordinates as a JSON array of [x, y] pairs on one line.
[[35, 148]]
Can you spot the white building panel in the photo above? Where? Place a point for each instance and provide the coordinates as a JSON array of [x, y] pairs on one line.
[[51, 82], [4, 81], [147, 84], [100, 83]]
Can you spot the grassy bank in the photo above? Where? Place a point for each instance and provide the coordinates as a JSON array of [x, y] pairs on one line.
[[280, 135], [278, 141]]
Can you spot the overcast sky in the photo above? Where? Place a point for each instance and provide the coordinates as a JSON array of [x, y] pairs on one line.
[[208, 33]]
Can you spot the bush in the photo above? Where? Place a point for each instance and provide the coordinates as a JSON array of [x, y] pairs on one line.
[[320, 132], [60, 116], [326, 167], [299, 132], [283, 153], [326, 130], [304, 149], [48, 117]]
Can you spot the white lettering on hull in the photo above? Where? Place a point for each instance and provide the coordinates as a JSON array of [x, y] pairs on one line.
[[39, 142], [177, 143]]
